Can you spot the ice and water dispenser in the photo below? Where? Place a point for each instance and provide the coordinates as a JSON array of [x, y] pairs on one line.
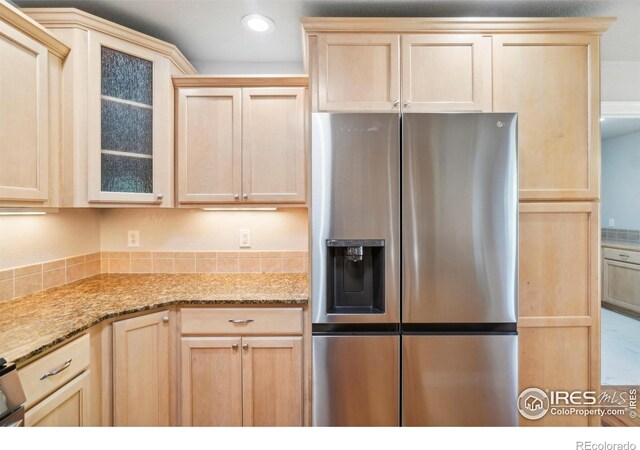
[[355, 276]]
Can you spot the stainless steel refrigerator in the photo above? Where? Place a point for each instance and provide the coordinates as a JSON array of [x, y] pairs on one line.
[[414, 269]]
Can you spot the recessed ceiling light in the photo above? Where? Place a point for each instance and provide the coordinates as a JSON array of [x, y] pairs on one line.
[[258, 23]]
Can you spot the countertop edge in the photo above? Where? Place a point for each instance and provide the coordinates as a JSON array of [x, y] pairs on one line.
[[623, 245], [20, 360]]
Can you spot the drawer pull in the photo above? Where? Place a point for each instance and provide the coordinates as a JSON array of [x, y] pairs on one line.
[[234, 346], [623, 256], [240, 320], [245, 346], [57, 370]]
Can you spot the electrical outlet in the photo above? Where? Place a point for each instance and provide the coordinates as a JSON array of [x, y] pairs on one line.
[[133, 238], [245, 238], [612, 223]]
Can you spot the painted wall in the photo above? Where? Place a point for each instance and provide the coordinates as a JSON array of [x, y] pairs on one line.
[[198, 230], [620, 80], [294, 67], [621, 181], [34, 239]]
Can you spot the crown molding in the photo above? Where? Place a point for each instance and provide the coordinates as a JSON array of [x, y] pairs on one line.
[[74, 18], [19, 20], [241, 81], [492, 25]]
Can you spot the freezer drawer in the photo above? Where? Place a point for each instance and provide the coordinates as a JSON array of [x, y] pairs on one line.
[[459, 380], [356, 380]]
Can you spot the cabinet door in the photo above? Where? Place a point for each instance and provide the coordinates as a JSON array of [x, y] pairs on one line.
[[129, 111], [273, 145], [446, 73], [141, 371], [211, 382], [556, 358], [209, 145], [621, 284], [358, 72], [24, 118], [272, 381], [559, 324], [552, 82], [66, 407]]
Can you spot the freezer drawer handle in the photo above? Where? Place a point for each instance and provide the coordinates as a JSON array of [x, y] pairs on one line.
[[56, 371], [240, 320]]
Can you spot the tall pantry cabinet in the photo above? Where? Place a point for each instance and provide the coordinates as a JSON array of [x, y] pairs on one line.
[[117, 110], [546, 70]]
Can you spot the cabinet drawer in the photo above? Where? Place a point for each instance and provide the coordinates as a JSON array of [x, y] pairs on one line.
[[74, 355], [621, 255], [241, 321]]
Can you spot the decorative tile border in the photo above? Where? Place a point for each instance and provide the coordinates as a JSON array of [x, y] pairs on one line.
[[25, 280], [204, 262], [619, 234]]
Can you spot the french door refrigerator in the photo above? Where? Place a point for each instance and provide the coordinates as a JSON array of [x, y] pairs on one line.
[[414, 268]]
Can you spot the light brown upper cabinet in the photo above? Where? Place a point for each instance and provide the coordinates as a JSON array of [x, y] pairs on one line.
[[209, 145], [117, 112], [359, 72], [241, 140], [401, 72], [31, 62], [552, 82], [446, 73], [273, 145]]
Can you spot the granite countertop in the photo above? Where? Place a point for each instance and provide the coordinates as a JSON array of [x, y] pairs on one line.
[[622, 245], [33, 324]]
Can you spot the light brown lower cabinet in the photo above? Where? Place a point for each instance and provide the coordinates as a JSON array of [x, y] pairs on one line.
[[621, 279], [141, 386], [241, 381], [66, 407]]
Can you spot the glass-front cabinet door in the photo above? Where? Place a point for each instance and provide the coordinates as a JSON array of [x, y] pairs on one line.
[[129, 99]]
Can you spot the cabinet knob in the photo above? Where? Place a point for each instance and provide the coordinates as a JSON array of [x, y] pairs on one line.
[[160, 196], [245, 346], [234, 346], [406, 103], [396, 103], [245, 196], [165, 319], [236, 196]]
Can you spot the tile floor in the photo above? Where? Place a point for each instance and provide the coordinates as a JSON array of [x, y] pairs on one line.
[[620, 349]]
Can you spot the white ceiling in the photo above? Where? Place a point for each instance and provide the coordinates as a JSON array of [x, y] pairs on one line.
[[209, 31], [612, 127]]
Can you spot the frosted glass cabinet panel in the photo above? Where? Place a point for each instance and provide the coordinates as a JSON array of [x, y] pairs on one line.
[[125, 141]]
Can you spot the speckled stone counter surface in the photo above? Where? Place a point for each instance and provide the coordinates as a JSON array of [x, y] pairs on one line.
[[32, 324], [622, 245]]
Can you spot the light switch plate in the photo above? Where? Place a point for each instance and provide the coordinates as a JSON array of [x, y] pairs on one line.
[[612, 223]]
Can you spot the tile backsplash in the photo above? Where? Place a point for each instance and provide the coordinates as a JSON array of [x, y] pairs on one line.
[[25, 280], [204, 262], [618, 234]]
